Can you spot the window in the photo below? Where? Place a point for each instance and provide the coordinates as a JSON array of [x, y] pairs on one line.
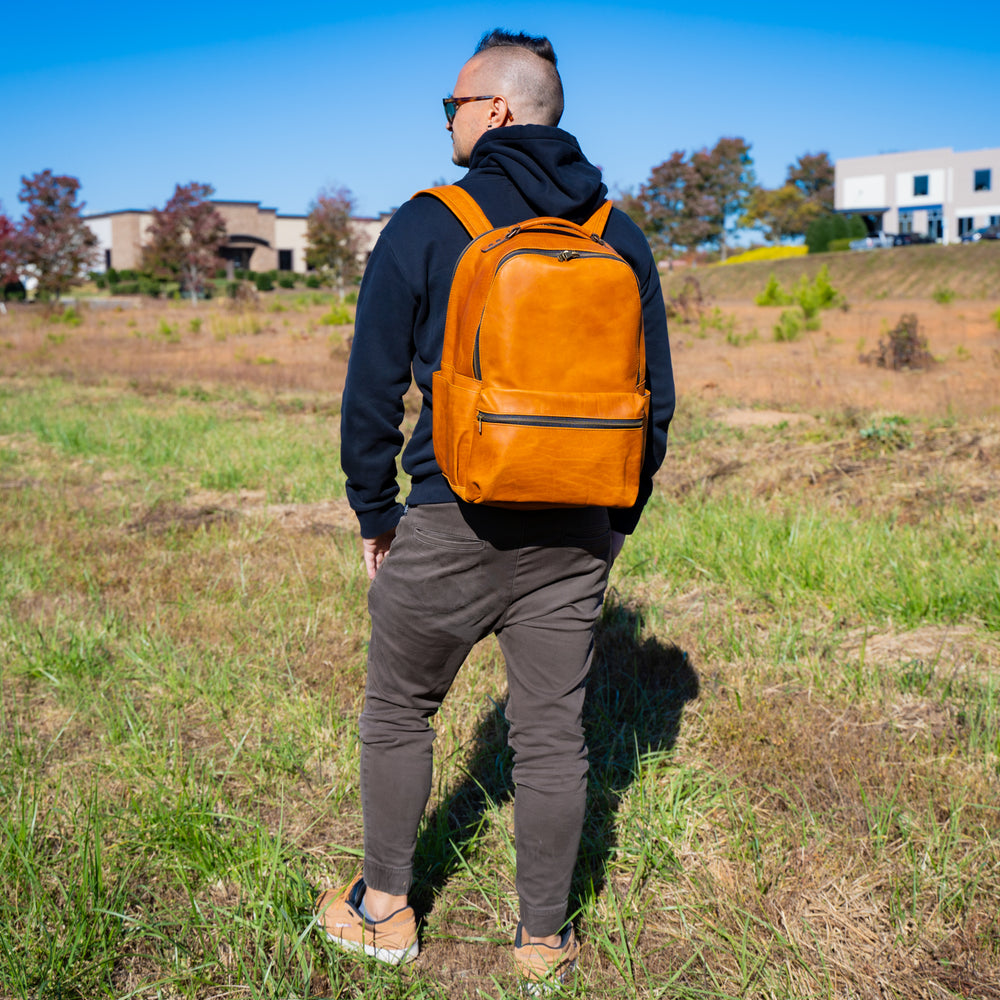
[[284, 260], [107, 260], [965, 224], [981, 181], [905, 221], [935, 224], [920, 185], [995, 220]]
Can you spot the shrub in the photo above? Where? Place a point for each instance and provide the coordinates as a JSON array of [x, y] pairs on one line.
[[313, 281], [766, 253], [286, 280], [264, 282], [904, 349], [149, 286], [70, 317], [773, 294], [351, 298], [943, 294], [817, 295], [790, 326], [833, 226], [125, 288], [839, 245], [337, 316], [996, 318]]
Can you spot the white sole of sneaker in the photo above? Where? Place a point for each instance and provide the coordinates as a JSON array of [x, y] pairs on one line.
[[391, 956]]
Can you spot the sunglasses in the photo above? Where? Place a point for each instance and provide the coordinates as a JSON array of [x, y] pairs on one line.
[[452, 104]]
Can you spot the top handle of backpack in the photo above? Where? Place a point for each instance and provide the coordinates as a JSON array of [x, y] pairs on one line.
[[466, 209]]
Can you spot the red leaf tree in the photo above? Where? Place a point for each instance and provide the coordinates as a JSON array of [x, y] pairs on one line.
[[671, 208], [54, 244], [185, 237]]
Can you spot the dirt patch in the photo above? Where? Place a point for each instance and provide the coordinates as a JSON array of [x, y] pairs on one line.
[[761, 418]]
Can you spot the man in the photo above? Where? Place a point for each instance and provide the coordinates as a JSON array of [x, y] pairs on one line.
[[445, 573]]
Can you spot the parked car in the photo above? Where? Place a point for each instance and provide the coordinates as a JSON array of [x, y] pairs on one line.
[[872, 241], [906, 239], [986, 233]]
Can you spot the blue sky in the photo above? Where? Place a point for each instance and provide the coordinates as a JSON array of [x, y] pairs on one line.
[[271, 102]]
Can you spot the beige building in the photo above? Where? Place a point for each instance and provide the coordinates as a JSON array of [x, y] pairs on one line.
[[258, 239], [938, 192]]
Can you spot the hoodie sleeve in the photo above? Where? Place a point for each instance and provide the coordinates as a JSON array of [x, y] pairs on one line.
[[629, 241], [378, 376]]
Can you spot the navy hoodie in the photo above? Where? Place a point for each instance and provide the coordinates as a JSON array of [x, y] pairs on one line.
[[515, 173]]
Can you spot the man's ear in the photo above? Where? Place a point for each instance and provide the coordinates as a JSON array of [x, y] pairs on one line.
[[499, 113]]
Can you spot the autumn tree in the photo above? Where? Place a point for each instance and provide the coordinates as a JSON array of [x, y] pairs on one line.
[[54, 244], [812, 175], [724, 178], [781, 212], [670, 208], [185, 237], [8, 250], [331, 242]]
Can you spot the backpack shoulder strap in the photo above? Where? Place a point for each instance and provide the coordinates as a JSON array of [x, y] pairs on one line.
[[599, 219], [463, 206]]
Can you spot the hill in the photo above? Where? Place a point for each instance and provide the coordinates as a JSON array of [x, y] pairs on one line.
[[970, 271]]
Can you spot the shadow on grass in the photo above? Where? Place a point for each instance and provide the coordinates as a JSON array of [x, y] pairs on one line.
[[635, 699]]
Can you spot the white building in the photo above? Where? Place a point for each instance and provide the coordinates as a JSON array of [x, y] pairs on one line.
[[934, 191]]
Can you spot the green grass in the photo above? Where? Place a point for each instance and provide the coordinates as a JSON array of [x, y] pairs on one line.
[[792, 718]]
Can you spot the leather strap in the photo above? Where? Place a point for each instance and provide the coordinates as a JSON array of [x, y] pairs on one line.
[[463, 206], [466, 209], [599, 219]]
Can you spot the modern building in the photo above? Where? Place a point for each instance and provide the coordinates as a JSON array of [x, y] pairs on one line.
[[259, 239], [938, 192]]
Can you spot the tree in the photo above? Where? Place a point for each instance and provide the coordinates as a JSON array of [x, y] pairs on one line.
[[725, 176], [8, 249], [782, 212], [54, 244], [670, 208], [185, 237], [331, 242], [812, 174]]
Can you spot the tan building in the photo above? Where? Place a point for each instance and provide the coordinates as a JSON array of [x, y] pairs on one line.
[[937, 192], [259, 239]]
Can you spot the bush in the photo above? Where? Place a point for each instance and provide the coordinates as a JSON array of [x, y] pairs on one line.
[[838, 245], [313, 281], [149, 286], [337, 316], [125, 288], [264, 282], [790, 326], [943, 294], [773, 294], [905, 348], [834, 226], [286, 280]]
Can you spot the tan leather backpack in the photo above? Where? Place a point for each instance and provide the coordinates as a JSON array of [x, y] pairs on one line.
[[541, 397]]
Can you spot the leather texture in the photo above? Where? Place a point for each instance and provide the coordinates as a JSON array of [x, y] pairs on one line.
[[541, 396]]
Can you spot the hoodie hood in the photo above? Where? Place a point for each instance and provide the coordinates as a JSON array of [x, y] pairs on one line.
[[546, 167]]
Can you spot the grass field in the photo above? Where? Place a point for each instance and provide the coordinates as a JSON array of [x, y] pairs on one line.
[[794, 718]]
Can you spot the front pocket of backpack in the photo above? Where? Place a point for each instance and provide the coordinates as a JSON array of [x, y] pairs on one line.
[[566, 449]]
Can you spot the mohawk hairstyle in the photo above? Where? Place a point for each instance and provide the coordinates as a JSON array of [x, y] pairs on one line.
[[498, 38]]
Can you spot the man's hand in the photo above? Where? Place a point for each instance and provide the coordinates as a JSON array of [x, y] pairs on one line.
[[376, 549], [617, 541]]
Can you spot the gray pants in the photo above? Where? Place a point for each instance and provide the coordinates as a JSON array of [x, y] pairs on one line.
[[456, 573]]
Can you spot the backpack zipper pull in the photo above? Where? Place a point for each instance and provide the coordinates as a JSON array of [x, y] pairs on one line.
[[567, 255], [503, 239]]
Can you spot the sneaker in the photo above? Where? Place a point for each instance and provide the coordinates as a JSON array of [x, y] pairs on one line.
[[393, 940], [543, 969]]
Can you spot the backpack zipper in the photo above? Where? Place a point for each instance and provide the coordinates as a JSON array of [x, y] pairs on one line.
[[563, 255], [574, 423]]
